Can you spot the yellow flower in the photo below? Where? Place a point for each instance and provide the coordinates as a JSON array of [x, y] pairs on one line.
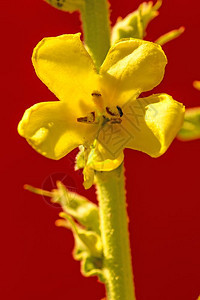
[[101, 111]]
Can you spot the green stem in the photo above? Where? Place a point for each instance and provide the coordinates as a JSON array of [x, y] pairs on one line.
[[117, 267], [96, 28]]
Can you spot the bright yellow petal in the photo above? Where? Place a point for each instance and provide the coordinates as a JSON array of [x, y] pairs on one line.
[[111, 141], [132, 66], [101, 159], [65, 67], [52, 130], [153, 123]]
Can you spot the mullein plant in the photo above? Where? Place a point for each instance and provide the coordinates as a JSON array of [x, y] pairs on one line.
[[98, 82]]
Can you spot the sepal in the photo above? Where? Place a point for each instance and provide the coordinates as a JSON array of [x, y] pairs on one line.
[[169, 36], [95, 158]]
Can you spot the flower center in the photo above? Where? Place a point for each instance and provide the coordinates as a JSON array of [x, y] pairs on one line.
[[108, 114]]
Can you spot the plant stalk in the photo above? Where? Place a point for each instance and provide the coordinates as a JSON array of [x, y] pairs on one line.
[[96, 29], [117, 266]]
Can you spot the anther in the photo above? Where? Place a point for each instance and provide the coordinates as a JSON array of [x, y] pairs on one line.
[[96, 94], [114, 111], [120, 111], [110, 111], [90, 118], [115, 121], [82, 119]]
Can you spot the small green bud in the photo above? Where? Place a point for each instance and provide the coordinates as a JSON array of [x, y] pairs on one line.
[[80, 208], [191, 126], [134, 25]]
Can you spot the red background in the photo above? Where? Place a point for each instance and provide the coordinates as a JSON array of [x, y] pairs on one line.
[[163, 194]]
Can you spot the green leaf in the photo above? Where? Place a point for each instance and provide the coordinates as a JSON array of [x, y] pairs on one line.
[[169, 36], [134, 25], [66, 5], [191, 126]]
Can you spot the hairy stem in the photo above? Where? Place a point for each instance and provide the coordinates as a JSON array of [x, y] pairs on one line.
[[117, 267], [96, 29]]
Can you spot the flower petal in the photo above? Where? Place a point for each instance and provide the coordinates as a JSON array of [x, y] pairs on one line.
[[100, 159], [153, 123], [51, 129], [111, 141], [132, 66], [65, 67]]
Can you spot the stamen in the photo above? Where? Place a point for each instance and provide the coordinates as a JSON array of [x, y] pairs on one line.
[[115, 121], [120, 111], [96, 94], [111, 112], [115, 111], [82, 119], [90, 118]]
